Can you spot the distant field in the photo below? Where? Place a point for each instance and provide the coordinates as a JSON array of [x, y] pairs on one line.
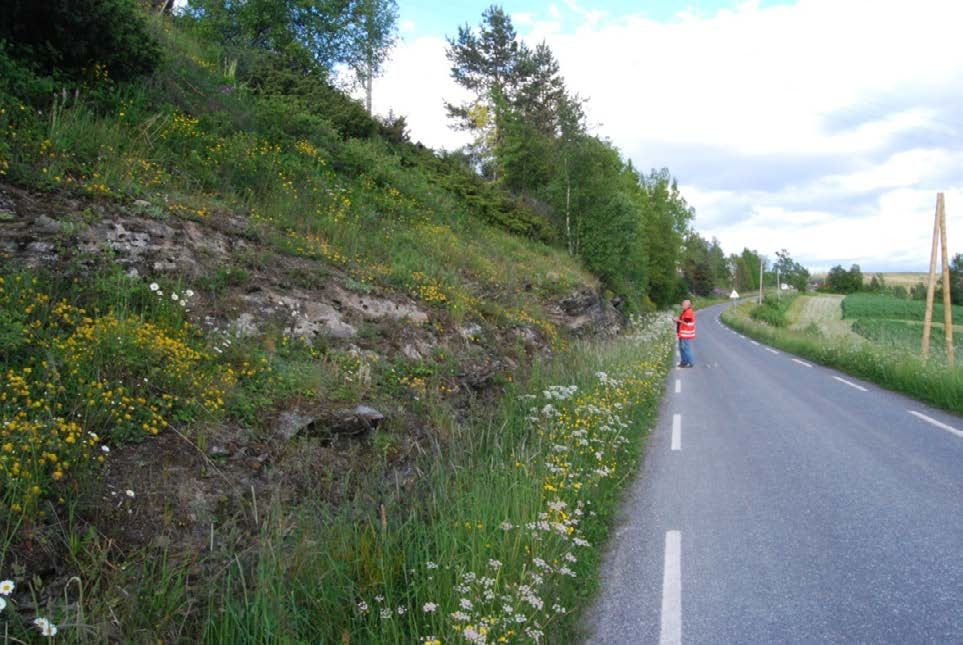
[[886, 321], [869, 305], [907, 335], [897, 323], [890, 278], [824, 312], [878, 338], [905, 279]]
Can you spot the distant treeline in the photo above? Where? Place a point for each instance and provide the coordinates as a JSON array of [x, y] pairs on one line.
[[840, 280]]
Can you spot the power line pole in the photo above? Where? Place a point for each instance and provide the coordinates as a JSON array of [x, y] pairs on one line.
[[760, 279], [947, 301], [939, 240]]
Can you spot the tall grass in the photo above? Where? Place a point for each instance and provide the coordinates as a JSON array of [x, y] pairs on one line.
[[501, 538], [932, 381]]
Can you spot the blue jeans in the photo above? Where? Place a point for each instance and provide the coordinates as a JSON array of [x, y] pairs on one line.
[[685, 350]]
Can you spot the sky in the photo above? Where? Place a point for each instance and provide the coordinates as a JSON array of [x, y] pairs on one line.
[[824, 127]]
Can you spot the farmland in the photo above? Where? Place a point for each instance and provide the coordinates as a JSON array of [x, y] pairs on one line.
[[896, 323], [872, 336], [822, 313], [866, 305]]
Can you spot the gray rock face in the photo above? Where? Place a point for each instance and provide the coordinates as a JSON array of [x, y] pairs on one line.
[[347, 422], [305, 316], [291, 422], [8, 210], [373, 308], [361, 419], [586, 312]]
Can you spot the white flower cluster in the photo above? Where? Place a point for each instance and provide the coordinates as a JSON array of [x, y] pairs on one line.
[[46, 627], [180, 298], [559, 392]]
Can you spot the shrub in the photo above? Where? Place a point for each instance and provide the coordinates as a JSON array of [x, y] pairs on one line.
[[81, 35], [771, 312]]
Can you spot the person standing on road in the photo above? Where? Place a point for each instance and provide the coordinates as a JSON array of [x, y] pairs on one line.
[[685, 330]]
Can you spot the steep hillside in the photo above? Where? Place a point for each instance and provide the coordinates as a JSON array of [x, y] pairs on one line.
[[222, 306]]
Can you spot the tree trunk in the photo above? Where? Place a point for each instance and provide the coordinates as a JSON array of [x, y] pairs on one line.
[[369, 79], [568, 212]]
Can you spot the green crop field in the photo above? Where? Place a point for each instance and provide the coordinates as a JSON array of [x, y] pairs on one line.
[[905, 335], [868, 305]]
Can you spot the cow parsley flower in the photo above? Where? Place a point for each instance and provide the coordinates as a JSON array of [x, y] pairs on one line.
[[46, 627]]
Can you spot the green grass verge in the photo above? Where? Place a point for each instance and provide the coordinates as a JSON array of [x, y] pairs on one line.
[[930, 381], [505, 540]]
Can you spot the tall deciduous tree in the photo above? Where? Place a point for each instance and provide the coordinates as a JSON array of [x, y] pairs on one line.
[[356, 33], [666, 216], [373, 32], [790, 271]]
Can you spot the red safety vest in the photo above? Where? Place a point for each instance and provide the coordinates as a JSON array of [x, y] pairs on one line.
[[687, 327]]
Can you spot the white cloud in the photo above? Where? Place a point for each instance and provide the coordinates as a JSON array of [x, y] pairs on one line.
[[848, 85], [416, 83]]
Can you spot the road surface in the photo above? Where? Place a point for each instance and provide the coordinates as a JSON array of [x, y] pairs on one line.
[[782, 502]]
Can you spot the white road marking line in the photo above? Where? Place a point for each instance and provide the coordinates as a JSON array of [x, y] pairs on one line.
[[678, 386], [770, 349], [670, 632], [938, 424], [803, 363], [677, 432], [754, 343], [851, 384]]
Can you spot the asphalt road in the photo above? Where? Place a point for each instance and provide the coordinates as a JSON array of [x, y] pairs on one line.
[[780, 504]]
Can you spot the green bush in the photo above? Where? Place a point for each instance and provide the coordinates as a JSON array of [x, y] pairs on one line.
[[94, 37], [771, 311]]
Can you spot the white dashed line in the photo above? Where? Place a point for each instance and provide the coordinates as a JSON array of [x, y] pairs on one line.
[[677, 432], [678, 386], [770, 349], [803, 363], [851, 384], [938, 424], [670, 632]]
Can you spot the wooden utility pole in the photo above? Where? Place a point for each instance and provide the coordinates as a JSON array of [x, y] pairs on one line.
[[939, 241], [760, 280], [947, 301]]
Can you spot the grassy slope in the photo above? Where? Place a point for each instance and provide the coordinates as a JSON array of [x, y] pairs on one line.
[[212, 544]]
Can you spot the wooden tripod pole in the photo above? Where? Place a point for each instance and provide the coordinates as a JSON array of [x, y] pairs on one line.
[[931, 284], [947, 301]]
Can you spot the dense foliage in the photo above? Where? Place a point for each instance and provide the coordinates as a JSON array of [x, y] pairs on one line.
[[530, 137], [85, 37], [839, 280]]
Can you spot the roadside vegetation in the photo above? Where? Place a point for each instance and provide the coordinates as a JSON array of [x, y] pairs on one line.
[[504, 542], [875, 337], [145, 492]]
